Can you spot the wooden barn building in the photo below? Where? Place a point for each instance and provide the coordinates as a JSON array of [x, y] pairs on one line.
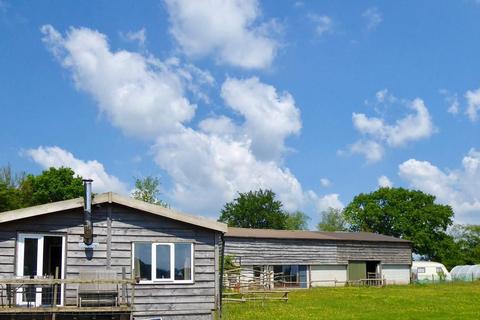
[[110, 258], [309, 259]]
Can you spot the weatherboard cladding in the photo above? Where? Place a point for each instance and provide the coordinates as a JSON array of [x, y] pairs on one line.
[[274, 247], [189, 301], [310, 235]]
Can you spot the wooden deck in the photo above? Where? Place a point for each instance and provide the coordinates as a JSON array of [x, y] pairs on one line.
[[9, 289], [65, 309]]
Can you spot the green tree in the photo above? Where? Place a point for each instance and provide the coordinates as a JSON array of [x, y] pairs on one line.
[[255, 209], [403, 213], [297, 220], [467, 244], [10, 196], [229, 263], [50, 186], [332, 220], [148, 189]]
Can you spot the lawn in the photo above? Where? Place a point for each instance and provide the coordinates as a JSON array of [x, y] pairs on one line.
[[428, 301]]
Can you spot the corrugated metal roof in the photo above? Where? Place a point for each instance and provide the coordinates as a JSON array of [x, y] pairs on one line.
[[313, 235]]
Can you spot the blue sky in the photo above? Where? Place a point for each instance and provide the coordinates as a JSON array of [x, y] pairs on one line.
[[318, 100]]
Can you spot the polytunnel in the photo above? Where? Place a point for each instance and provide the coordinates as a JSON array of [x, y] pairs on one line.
[[466, 272]]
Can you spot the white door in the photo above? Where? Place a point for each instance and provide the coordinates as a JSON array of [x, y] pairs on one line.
[[31, 260]]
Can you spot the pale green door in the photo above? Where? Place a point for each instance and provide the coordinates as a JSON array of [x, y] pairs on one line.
[[357, 270]]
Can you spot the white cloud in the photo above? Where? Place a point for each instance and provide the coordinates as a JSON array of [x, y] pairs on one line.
[[324, 182], [451, 100], [373, 17], [323, 203], [459, 188], [323, 24], [454, 107], [141, 95], [208, 170], [377, 132], [220, 126], [139, 36], [384, 182], [227, 29], [56, 157], [269, 116], [208, 167], [371, 150], [473, 104], [384, 96], [145, 97], [410, 128]]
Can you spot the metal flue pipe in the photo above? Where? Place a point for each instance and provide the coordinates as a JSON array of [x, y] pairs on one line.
[[87, 212]]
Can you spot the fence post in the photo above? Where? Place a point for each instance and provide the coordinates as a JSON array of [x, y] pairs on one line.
[[124, 285], [55, 288]]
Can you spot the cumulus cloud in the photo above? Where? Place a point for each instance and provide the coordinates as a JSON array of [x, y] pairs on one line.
[[229, 30], [384, 182], [459, 188], [269, 116], [57, 157], [220, 126], [140, 94], [373, 17], [371, 150], [323, 203], [377, 133], [230, 157], [208, 170], [413, 127], [323, 24], [208, 164], [139, 36], [473, 104], [324, 182], [451, 100]]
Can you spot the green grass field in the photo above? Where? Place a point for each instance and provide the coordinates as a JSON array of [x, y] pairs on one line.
[[441, 301]]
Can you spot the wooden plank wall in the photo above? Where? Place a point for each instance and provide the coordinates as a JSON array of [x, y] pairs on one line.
[[171, 301], [385, 252], [259, 251], [278, 251], [196, 300]]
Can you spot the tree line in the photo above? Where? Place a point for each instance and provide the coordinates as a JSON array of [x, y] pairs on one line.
[[408, 214], [20, 190]]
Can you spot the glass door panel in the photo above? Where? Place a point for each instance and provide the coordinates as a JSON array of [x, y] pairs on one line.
[[40, 256]]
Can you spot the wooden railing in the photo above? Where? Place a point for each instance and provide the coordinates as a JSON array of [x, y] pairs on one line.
[[47, 295]]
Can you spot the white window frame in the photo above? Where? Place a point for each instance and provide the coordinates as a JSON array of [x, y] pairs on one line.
[[421, 270], [172, 262], [21, 236], [154, 262]]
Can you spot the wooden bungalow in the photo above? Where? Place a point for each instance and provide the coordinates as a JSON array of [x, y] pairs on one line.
[[113, 257], [309, 259]]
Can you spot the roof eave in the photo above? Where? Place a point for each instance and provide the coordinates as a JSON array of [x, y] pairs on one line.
[[111, 197]]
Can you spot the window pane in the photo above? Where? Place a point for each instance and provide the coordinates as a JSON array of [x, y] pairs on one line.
[[163, 262], [30, 257], [143, 261], [183, 261], [257, 271], [286, 274]]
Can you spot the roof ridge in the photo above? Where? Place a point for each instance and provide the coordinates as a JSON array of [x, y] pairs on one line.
[[111, 197]]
